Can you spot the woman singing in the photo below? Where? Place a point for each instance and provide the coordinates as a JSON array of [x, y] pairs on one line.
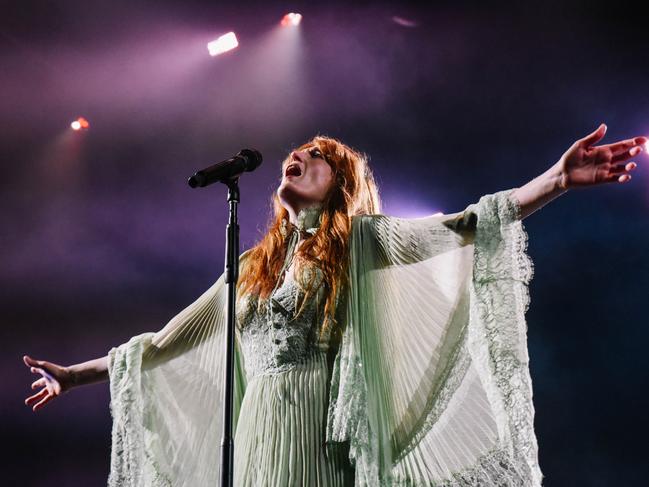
[[370, 350]]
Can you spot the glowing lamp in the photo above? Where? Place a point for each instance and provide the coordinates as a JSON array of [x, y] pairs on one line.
[[80, 124], [291, 19], [225, 43]]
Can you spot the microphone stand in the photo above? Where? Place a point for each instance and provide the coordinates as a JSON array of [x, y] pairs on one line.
[[231, 278], [228, 172]]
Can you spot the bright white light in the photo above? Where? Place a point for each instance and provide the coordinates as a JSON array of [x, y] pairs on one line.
[[225, 43], [291, 19], [80, 123]]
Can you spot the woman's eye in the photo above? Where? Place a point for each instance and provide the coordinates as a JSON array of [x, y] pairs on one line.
[[315, 153]]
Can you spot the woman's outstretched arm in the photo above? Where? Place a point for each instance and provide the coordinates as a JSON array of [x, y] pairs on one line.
[[56, 379], [584, 164]]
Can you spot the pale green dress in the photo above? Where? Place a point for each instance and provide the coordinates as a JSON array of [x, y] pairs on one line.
[[427, 385]]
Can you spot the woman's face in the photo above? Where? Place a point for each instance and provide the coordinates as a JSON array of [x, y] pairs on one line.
[[306, 179]]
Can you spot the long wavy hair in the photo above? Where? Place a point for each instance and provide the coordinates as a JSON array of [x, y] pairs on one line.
[[353, 192]]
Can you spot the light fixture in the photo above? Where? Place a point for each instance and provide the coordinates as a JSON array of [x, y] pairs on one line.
[[291, 19], [225, 43], [80, 124]]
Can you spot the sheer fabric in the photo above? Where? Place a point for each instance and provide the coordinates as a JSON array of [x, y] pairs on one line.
[[166, 393], [430, 385]]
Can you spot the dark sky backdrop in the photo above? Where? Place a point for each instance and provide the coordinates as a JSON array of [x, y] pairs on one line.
[[102, 239]]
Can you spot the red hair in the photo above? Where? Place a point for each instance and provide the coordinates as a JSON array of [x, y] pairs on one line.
[[353, 192]]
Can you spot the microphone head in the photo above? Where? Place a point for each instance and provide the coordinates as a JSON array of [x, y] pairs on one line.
[[192, 181], [252, 157]]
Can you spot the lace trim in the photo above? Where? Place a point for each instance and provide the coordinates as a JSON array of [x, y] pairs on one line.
[[131, 459], [500, 298], [495, 468], [347, 418]]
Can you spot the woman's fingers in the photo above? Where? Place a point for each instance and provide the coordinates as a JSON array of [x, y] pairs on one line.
[[29, 362], [626, 155], [624, 178], [594, 137], [43, 402], [622, 146], [620, 173], [35, 364], [50, 385], [620, 168], [618, 178], [38, 370], [36, 397], [626, 147]]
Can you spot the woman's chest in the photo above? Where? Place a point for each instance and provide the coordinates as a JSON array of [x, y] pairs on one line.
[[283, 330]]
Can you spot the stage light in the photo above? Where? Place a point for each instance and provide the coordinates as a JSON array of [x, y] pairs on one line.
[[291, 19], [403, 22], [225, 43], [80, 124]]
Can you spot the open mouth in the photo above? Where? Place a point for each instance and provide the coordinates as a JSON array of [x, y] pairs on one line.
[[293, 170]]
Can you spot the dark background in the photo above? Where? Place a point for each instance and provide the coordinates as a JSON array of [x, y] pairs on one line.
[[102, 239]]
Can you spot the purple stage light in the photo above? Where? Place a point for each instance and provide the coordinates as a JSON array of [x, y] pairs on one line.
[[403, 22], [225, 43]]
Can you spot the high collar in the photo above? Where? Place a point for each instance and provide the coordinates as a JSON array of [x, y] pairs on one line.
[[308, 222], [308, 219]]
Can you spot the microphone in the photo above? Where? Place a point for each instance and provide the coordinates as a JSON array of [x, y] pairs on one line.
[[245, 160]]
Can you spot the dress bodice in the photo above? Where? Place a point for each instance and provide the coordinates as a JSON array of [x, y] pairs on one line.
[[274, 336], [284, 330]]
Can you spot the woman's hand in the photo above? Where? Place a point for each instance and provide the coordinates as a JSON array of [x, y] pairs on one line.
[[585, 164], [54, 381]]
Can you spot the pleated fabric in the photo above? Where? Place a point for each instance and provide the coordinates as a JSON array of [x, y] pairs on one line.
[[430, 385], [166, 399], [280, 438]]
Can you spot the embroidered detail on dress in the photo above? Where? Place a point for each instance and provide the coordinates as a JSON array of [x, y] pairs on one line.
[[275, 339], [308, 219]]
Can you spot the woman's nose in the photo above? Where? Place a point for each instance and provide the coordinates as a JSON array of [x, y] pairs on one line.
[[298, 155]]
